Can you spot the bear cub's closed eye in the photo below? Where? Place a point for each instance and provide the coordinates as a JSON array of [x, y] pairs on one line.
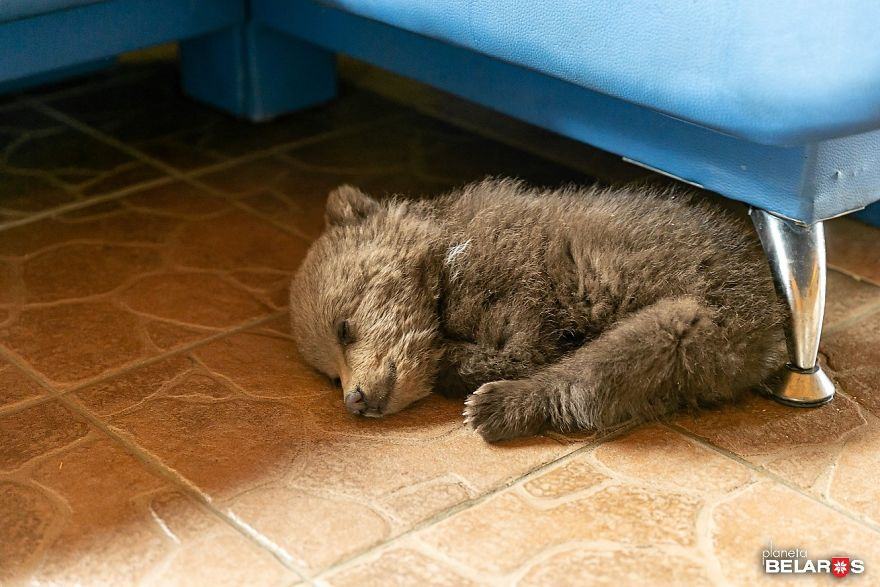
[[344, 333]]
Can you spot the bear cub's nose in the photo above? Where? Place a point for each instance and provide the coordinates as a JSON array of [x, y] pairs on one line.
[[355, 402]]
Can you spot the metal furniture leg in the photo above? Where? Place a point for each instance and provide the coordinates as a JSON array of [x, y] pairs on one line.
[[796, 253]]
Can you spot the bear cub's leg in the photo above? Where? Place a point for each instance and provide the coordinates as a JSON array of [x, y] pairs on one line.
[[467, 365], [662, 357]]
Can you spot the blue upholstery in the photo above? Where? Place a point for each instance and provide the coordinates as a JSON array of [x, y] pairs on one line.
[[781, 72], [45, 43], [871, 214], [774, 104], [13, 9], [257, 73], [807, 181]]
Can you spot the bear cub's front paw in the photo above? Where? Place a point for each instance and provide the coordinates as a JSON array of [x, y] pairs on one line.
[[505, 409]]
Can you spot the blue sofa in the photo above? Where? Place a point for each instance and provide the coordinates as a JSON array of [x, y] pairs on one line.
[[773, 104], [46, 39]]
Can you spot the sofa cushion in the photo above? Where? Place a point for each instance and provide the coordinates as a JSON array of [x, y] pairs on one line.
[[15, 9], [785, 72]]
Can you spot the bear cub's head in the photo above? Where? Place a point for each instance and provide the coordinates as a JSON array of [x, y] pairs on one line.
[[364, 301]]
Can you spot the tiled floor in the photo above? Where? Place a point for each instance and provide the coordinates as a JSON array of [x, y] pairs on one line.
[[157, 425]]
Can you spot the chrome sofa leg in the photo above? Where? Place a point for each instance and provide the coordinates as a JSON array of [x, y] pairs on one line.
[[796, 253]]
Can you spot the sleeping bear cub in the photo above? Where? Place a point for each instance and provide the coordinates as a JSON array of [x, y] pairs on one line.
[[577, 308]]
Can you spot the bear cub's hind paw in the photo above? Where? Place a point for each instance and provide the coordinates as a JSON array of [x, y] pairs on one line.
[[506, 409]]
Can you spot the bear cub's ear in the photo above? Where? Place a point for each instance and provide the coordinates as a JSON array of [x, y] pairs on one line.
[[347, 205]]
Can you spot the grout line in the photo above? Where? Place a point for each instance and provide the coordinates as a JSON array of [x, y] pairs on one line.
[[115, 78], [151, 462], [55, 393], [29, 371], [468, 504], [181, 174], [292, 230], [82, 85], [850, 319], [159, 468], [26, 404], [760, 470], [14, 102], [106, 139], [65, 208], [193, 177], [173, 352], [298, 143], [195, 181], [852, 274]]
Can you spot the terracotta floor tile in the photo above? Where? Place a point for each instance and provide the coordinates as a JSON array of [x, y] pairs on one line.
[[112, 73], [77, 270], [8, 283], [650, 507], [399, 566], [855, 480], [411, 562], [288, 192], [15, 385], [798, 444], [626, 512], [831, 451], [45, 164], [98, 289], [274, 445], [505, 534], [93, 298], [281, 189], [151, 113], [74, 341], [853, 247], [395, 146], [246, 243], [613, 566], [745, 524], [853, 355], [660, 457], [76, 509], [36, 430], [848, 296], [576, 475], [291, 189]]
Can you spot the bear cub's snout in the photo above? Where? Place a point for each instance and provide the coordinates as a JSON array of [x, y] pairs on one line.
[[371, 401], [354, 401]]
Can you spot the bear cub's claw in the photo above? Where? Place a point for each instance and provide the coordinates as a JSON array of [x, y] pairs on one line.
[[505, 409]]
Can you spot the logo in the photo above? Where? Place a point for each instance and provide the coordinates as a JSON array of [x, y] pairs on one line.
[[794, 561], [839, 567]]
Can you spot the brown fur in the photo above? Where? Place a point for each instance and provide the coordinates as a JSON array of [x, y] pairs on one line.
[[577, 308]]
